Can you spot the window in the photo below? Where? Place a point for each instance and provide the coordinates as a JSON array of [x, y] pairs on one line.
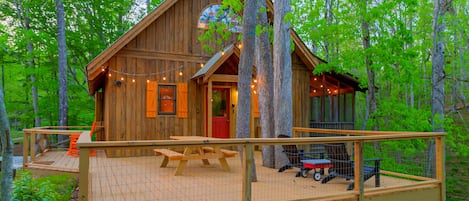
[[215, 14], [166, 99]]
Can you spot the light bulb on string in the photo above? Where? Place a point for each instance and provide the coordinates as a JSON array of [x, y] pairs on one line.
[[255, 81], [133, 80], [110, 75], [201, 65], [222, 53], [180, 73], [122, 78], [164, 78], [148, 81]]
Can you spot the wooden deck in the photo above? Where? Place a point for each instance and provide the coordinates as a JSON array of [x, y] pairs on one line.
[[141, 178], [56, 160]]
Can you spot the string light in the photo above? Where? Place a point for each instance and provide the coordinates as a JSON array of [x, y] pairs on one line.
[[222, 53], [201, 65], [240, 45], [133, 75], [255, 81]]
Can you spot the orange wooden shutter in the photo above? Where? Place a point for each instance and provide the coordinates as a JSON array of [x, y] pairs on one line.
[[255, 105], [151, 99], [182, 110]]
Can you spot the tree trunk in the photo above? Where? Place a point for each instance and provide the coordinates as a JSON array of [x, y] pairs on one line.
[[438, 75], [63, 103], [245, 74], [282, 75], [327, 43], [23, 14], [7, 153], [265, 86], [371, 96]]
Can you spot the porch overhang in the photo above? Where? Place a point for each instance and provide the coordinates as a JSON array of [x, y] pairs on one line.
[[214, 63]]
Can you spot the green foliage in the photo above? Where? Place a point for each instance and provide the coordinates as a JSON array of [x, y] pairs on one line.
[[52, 188]]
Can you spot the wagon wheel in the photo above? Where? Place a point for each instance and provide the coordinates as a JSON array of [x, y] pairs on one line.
[[317, 176], [304, 173]]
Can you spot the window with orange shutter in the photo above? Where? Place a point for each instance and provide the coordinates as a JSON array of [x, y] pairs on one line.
[[167, 99]]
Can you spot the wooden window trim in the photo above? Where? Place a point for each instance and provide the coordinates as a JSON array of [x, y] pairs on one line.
[[160, 99]]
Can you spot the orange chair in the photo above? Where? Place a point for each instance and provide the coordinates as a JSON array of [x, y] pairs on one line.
[[73, 150]]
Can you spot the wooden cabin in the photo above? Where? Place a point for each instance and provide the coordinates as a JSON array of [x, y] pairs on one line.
[[156, 80]]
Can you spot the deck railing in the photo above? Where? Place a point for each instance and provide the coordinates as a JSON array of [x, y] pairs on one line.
[[428, 188], [42, 137], [333, 125]]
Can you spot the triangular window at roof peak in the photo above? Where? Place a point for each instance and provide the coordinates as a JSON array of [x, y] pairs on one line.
[[215, 14]]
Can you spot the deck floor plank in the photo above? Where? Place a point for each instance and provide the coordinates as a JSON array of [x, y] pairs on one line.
[[141, 178]]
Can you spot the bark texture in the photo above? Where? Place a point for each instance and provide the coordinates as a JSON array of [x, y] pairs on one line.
[[245, 74], [7, 152], [282, 74], [265, 85]]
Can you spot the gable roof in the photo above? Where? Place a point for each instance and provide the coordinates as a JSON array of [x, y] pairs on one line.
[[215, 62], [94, 68]]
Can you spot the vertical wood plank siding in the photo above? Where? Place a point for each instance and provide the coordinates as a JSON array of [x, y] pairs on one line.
[[168, 45]]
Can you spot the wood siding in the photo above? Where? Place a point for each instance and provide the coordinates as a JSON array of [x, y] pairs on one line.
[[168, 46]]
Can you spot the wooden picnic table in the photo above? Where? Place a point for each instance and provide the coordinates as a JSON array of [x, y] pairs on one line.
[[195, 153]]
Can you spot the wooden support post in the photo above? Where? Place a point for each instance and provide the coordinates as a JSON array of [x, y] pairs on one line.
[[32, 146], [358, 166], [84, 167], [209, 108], [25, 148], [247, 170], [440, 165]]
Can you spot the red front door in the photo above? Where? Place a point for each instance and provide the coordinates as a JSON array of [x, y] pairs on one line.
[[220, 113]]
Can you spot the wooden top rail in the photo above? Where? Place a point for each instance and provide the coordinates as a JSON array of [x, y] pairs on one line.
[[263, 141], [359, 132], [52, 130]]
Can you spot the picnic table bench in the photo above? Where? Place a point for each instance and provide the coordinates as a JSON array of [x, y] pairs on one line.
[[195, 153]]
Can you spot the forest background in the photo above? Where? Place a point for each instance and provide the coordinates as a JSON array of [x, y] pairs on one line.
[[400, 51]]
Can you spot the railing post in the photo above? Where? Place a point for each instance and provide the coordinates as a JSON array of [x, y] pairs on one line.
[[25, 148], [84, 165], [440, 165], [32, 146], [358, 168], [247, 171]]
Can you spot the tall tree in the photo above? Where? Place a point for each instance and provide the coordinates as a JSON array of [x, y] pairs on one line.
[[245, 74], [282, 72], [62, 45], [22, 14], [371, 96], [7, 152], [438, 73], [265, 83]]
